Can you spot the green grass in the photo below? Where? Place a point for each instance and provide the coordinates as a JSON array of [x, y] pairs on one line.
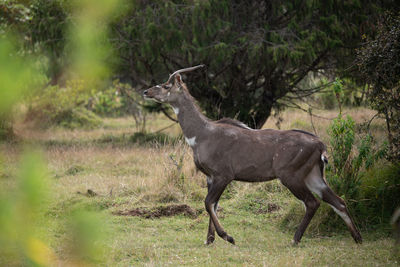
[[126, 175]]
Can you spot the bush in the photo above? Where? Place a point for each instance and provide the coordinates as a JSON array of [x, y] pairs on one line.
[[349, 157], [78, 117], [63, 106], [118, 100], [106, 103], [379, 193]]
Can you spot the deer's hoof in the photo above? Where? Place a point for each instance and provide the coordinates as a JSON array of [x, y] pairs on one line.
[[230, 239], [210, 240], [357, 238], [295, 243]]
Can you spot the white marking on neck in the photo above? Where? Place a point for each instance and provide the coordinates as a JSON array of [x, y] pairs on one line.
[[176, 110], [191, 141]]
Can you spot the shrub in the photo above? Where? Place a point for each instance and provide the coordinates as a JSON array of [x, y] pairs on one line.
[[349, 157], [63, 106], [118, 100], [106, 103], [379, 193], [77, 118]]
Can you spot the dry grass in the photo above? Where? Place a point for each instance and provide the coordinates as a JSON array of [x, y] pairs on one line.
[[124, 176]]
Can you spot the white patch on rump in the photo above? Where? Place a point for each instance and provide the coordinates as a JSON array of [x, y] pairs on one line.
[[176, 110], [315, 182], [191, 141]]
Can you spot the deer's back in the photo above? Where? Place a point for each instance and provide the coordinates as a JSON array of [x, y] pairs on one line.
[[254, 155]]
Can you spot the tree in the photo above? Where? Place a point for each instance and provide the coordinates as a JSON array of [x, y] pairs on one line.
[[47, 34], [379, 63], [41, 26], [258, 53]]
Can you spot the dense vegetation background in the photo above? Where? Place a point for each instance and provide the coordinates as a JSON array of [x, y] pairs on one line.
[[76, 65]]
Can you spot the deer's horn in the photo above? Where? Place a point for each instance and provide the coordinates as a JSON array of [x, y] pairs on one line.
[[185, 70]]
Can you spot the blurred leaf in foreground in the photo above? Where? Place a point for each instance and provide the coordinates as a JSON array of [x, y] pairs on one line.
[[88, 36], [20, 212]]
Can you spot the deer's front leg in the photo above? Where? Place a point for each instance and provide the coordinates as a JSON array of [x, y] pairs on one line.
[[216, 186], [211, 228]]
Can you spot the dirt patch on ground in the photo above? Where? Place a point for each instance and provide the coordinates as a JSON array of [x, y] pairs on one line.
[[271, 207], [161, 211]]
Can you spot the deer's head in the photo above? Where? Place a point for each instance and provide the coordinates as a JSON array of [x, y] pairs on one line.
[[169, 91]]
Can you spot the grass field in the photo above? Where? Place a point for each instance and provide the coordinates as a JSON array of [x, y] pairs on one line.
[[102, 170]]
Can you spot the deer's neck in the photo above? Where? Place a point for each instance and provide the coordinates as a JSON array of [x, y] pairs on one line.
[[191, 120]]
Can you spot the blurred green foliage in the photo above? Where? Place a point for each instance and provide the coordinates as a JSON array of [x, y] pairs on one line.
[[20, 212], [13, 74], [88, 40], [25, 205]]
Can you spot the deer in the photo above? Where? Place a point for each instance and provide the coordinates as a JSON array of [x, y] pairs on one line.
[[227, 149]]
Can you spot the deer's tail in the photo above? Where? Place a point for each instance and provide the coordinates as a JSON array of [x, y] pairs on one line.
[[323, 162]]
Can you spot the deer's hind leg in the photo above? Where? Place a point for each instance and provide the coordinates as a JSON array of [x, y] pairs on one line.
[[316, 183], [339, 206], [310, 202]]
